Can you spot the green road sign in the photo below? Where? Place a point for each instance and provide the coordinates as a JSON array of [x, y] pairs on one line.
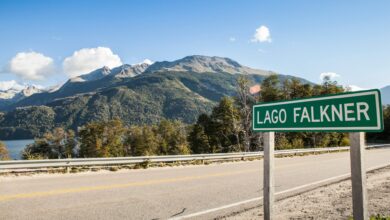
[[353, 112]]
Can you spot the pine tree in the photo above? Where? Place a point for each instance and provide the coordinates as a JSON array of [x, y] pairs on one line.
[[199, 142], [270, 89], [225, 119]]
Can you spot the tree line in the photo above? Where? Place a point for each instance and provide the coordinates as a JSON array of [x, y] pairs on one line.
[[111, 139], [227, 128]]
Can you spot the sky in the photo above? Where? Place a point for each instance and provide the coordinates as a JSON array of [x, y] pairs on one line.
[[46, 42]]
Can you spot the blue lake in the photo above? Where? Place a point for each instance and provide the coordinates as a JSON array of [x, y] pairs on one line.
[[16, 146]]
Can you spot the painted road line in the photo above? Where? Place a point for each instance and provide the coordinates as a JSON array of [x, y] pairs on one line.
[[217, 209], [117, 186]]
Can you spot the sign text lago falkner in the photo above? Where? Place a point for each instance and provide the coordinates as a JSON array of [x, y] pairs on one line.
[[357, 111]]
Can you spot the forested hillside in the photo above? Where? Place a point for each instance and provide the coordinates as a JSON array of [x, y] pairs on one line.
[[227, 128]]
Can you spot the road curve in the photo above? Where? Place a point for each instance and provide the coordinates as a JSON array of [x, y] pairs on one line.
[[162, 193]]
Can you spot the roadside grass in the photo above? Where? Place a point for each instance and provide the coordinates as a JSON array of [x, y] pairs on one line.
[[376, 217], [379, 217]]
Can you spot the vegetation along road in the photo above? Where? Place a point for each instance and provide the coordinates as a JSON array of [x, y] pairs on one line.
[[162, 193]]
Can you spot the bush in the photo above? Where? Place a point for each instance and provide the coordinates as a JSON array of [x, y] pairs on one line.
[[3, 152]]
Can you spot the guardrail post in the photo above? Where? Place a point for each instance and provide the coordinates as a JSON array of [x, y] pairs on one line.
[[358, 176], [67, 168], [268, 191]]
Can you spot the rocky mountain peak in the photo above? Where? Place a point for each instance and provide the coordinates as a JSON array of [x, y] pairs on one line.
[[30, 90], [205, 64]]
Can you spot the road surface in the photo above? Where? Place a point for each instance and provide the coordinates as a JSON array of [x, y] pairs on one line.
[[163, 193]]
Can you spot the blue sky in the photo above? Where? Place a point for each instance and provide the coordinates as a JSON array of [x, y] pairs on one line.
[[350, 39]]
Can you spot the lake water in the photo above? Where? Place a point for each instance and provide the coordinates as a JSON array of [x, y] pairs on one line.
[[16, 146]]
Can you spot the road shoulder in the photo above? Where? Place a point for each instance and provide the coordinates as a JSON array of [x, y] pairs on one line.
[[328, 202]]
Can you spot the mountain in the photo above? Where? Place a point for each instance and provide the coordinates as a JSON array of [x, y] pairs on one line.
[[90, 82], [126, 70], [94, 75], [13, 95], [385, 93], [123, 71], [136, 94], [205, 64]]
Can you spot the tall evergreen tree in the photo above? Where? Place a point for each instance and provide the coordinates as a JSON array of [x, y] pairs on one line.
[[270, 89], [225, 119], [198, 140]]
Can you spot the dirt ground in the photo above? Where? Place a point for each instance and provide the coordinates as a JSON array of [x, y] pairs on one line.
[[330, 202]]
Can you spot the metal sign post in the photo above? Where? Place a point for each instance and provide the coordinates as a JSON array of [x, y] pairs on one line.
[[358, 176], [268, 196]]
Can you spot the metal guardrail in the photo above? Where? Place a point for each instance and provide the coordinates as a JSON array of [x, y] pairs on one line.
[[28, 164]]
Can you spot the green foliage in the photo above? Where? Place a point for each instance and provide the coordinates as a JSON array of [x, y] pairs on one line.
[[270, 89], [56, 144], [112, 139], [40, 149], [27, 122], [379, 217], [225, 120], [282, 142], [70, 144], [219, 132], [3, 152], [199, 140], [102, 139], [142, 141], [228, 128], [172, 138], [166, 138]]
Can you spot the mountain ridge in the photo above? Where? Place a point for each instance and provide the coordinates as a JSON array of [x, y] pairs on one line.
[[102, 77], [152, 94], [13, 95]]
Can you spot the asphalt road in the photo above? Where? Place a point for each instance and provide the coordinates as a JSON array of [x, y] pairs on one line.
[[162, 193]]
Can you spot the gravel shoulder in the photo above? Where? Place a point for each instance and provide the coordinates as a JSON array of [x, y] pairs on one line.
[[328, 202]]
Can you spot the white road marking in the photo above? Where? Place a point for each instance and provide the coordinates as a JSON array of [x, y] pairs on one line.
[[216, 209]]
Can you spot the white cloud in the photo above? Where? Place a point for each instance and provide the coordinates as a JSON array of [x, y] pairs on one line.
[[262, 34], [232, 39], [331, 75], [88, 59], [147, 61], [11, 84], [31, 65]]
